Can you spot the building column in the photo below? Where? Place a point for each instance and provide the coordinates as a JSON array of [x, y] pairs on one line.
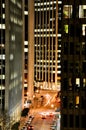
[[30, 48]]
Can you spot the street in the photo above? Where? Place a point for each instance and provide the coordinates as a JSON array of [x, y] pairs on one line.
[[41, 124], [45, 98], [43, 110]]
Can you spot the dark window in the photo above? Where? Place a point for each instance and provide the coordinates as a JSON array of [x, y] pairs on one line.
[[85, 13], [84, 48], [70, 102], [65, 65], [53, 77], [77, 121], [26, 61], [26, 66], [71, 48], [78, 30], [26, 27], [65, 101], [2, 81], [75, 11], [66, 48], [83, 121], [26, 4], [25, 75], [43, 76], [71, 30], [83, 103], [65, 120], [71, 121], [65, 84], [84, 67], [71, 67], [77, 49]]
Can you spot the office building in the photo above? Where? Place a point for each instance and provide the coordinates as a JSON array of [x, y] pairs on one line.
[[11, 48], [28, 51], [47, 67], [42, 46], [59, 44], [25, 53], [73, 63]]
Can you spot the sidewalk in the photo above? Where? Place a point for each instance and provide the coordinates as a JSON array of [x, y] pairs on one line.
[[22, 122]]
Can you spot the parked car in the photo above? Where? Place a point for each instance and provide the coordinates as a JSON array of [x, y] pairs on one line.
[[30, 127], [31, 116], [43, 116]]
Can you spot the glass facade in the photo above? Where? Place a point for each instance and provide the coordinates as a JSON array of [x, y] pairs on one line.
[[10, 54], [73, 62]]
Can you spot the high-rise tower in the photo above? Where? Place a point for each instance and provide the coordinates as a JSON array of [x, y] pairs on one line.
[[73, 76], [11, 57], [26, 18], [46, 44], [28, 50]]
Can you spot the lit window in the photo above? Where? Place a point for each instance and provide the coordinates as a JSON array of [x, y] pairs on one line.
[[3, 5], [82, 11], [84, 29], [13, 37], [2, 57], [84, 82], [77, 101], [67, 11], [3, 16], [70, 84], [78, 82], [25, 12], [2, 26], [25, 49], [66, 28], [2, 76]]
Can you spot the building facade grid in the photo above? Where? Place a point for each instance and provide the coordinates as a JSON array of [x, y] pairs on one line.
[[46, 44], [73, 63]]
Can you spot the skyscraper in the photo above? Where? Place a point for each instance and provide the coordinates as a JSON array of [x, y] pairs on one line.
[[46, 45], [28, 50], [11, 48], [73, 76], [26, 18]]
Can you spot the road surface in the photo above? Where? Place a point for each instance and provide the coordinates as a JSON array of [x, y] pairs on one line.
[[43, 103], [42, 124]]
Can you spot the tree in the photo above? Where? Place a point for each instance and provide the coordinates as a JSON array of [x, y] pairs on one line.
[[15, 126], [0, 128], [25, 112]]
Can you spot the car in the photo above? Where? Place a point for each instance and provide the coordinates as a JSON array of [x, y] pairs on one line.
[[30, 127], [30, 119], [31, 116], [52, 128], [24, 128], [28, 122], [51, 114], [43, 116]]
